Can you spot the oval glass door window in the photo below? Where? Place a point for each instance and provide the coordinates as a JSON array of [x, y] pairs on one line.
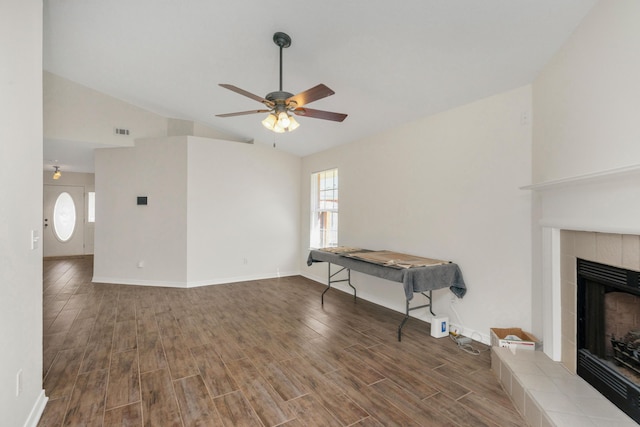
[[64, 217]]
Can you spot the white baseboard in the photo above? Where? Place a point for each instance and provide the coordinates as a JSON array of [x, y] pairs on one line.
[[322, 281], [235, 279], [467, 332], [37, 410], [472, 333], [137, 282], [190, 284], [347, 290]]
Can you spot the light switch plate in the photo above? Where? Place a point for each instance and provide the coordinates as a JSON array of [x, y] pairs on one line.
[[35, 238]]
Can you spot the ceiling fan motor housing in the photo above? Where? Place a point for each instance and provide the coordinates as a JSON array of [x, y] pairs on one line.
[[279, 98], [281, 39]]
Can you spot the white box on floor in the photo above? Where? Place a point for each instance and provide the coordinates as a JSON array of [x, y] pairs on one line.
[[513, 338], [439, 327]]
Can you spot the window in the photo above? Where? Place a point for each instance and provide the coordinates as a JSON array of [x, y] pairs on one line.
[[64, 217], [91, 206], [324, 209]]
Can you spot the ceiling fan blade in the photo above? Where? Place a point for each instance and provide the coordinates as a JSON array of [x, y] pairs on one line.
[[319, 114], [242, 113], [310, 95], [236, 89]]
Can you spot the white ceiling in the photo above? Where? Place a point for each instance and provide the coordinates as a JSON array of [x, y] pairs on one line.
[[389, 62]]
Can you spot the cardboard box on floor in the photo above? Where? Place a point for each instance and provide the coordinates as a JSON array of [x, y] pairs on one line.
[[526, 342]]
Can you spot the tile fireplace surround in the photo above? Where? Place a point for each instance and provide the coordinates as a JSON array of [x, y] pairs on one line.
[[549, 393]]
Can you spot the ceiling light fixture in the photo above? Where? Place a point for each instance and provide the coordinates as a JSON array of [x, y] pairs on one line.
[[282, 105], [280, 123], [57, 174]]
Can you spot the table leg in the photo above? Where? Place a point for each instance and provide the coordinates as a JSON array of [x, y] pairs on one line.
[[349, 283], [409, 308], [330, 281], [406, 317]]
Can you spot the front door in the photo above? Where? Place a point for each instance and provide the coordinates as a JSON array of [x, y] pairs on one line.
[[63, 228]]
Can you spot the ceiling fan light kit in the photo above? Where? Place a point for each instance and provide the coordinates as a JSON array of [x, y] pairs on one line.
[[281, 123], [282, 105]]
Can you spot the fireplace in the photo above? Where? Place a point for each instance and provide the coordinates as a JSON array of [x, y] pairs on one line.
[[608, 332], [592, 217]]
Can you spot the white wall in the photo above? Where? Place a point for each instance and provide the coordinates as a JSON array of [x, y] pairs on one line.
[[21, 211], [444, 187], [218, 212], [73, 112], [243, 217], [127, 234], [586, 103], [586, 100]]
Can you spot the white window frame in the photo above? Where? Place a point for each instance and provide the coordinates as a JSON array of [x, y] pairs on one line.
[[323, 227]]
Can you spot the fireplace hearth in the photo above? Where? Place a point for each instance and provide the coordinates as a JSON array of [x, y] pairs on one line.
[[608, 332]]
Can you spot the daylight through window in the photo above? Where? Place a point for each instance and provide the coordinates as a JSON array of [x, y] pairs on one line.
[[64, 217], [324, 209]]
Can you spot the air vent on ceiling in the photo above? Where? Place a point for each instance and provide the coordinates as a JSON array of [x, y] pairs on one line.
[[121, 131]]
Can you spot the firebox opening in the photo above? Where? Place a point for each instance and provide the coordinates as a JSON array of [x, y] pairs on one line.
[[608, 327]]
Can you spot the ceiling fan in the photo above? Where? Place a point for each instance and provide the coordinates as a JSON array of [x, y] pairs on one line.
[[280, 103]]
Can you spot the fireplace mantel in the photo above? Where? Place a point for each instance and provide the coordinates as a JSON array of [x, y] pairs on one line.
[[586, 178]]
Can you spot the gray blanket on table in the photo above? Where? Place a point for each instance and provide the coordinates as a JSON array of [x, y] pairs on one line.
[[415, 279]]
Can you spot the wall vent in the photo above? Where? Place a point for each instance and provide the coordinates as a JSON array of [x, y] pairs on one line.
[[121, 131]]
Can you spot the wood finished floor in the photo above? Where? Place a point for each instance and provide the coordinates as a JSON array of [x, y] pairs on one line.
[[260, 353]]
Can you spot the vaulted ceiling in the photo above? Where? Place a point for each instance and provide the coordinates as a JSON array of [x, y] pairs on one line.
[[388, 62]]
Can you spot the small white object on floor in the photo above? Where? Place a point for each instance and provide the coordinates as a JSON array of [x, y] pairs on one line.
[[439, 327]]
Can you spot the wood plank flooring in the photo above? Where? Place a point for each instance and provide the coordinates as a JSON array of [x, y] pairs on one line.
[[259, 353]]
